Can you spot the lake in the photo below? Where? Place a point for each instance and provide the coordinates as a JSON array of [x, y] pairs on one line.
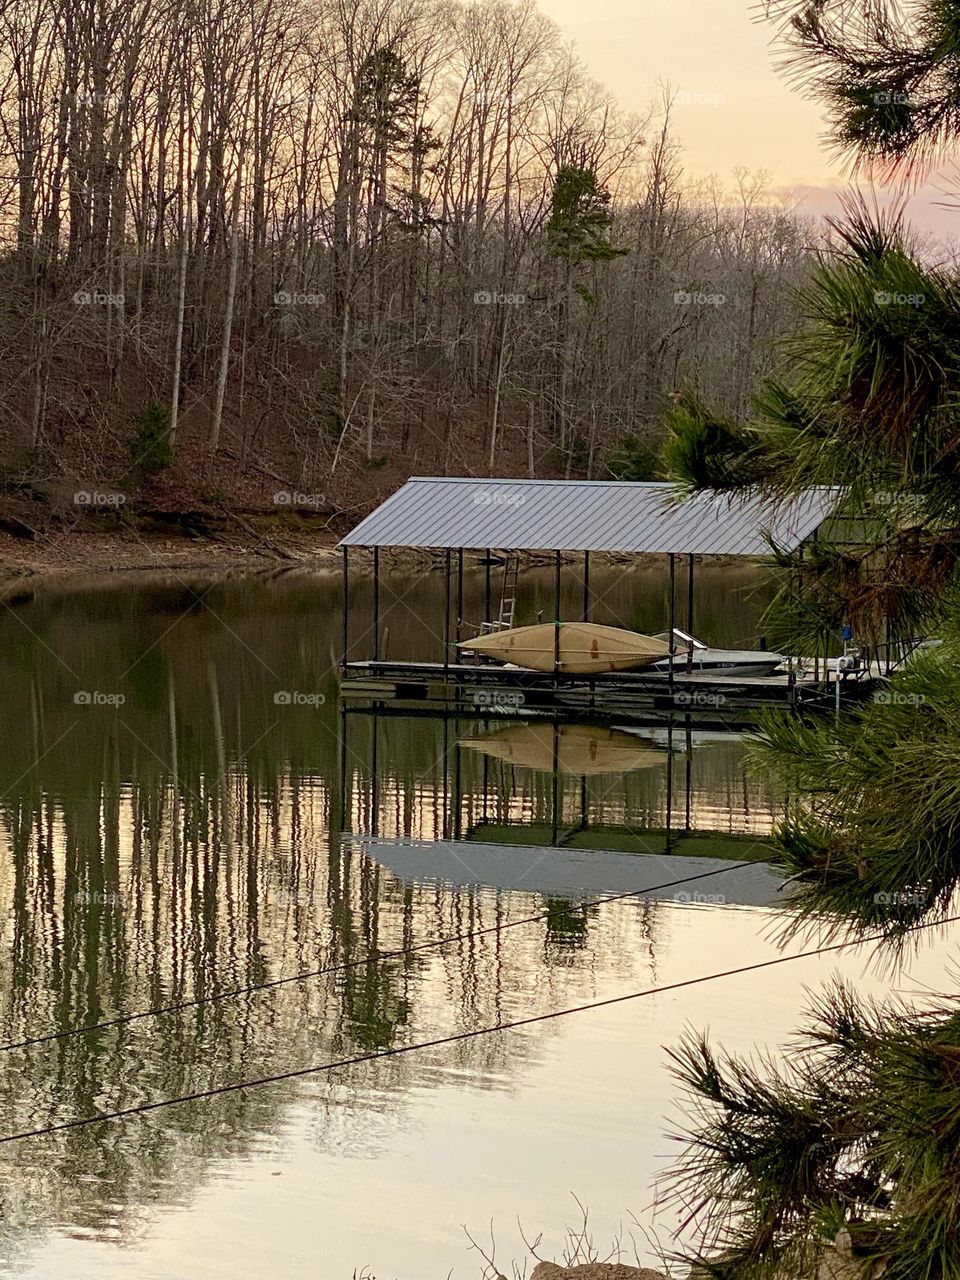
[[185, 810]]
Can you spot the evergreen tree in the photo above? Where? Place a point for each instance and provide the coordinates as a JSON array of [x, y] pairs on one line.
[[580, 217], [856, 1143], [889, 74], [859, 1140]]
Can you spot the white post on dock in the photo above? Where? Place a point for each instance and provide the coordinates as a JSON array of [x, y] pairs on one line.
[[672, 616], [556, 625]]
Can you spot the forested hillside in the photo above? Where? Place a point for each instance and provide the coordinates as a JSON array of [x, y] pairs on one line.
[[256, 247]]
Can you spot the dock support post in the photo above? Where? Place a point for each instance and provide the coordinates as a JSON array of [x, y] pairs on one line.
[[445, 827], [459, 592], [586, 586], [374, 815], [486, 591], [672, 616], [886, 646], [457, 793], [690, 595], [446, 614], [346, 605], [556, 619], [669, 780], [376, 604]]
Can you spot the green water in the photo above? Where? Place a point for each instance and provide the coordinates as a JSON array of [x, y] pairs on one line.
[[175, 779]]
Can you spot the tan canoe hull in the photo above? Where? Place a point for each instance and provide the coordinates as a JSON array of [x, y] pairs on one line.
[[578, 749], [586, 648]]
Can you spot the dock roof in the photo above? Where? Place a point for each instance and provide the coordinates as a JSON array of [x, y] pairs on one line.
[[643, 518]]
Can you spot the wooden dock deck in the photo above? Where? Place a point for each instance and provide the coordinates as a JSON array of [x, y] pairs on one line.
[[623, 695]]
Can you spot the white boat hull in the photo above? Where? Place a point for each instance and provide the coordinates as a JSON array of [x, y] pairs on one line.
[[724, 662]]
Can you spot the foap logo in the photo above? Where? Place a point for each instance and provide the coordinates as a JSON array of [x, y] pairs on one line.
[[98, 498], [683, 298], [290, 498], [711, 899], [98, 898], [97, 298], [97, 98], [698, 98], [506, 497], [284, 299], [691, 698], [890, 98], [94, 698], [894, 698], [900, 898], [884, 299], [294, 698], [498, 699], [291, 97], [290, 898], [490, 298]]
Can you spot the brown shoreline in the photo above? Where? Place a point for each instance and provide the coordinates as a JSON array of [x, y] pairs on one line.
[[78, 558]]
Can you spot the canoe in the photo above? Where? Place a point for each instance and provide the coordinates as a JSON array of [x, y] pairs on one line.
[[578, 749], [586, 648]]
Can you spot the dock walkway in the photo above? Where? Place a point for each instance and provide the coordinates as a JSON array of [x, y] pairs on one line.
[[621, 695]]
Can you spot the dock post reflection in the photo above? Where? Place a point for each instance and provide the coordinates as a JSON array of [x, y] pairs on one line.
[[548, 781]]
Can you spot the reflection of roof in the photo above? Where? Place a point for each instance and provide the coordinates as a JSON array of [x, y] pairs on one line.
[[589, 515], [570, 872]]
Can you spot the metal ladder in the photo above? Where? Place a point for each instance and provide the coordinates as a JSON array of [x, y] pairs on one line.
[[508, 593]]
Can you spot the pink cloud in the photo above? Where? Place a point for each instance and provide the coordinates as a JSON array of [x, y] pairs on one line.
[[925, 206]]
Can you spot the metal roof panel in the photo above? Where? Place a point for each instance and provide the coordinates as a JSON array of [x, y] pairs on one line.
[[588, 515]]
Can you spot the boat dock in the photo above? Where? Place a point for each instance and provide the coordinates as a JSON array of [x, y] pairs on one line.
[[564, 520], [617, 696]]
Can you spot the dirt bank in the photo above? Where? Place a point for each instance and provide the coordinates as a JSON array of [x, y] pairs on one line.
[[49, 558]]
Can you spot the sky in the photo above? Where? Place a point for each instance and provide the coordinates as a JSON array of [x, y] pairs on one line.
[[734, 108]]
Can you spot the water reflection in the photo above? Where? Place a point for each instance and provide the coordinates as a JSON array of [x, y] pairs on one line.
[[547, 782], [582, 750], [176, 834]]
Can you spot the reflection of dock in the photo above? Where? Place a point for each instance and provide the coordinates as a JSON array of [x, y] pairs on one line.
[[702, 844], [546, 782], [568, 872]]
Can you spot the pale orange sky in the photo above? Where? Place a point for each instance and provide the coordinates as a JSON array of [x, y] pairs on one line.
[[740, 112], [712, 48]]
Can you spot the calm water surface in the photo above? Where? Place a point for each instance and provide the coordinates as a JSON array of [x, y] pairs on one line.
[[187, 840]]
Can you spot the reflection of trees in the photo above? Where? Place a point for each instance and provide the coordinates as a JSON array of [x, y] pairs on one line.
[[566, 929], [147, 917], [188, 844]]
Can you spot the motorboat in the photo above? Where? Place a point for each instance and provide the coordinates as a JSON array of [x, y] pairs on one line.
[[587, 648], [693, 656]]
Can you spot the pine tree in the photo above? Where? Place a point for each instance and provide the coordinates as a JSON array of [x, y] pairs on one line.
[[580, 217], [856, 1143], [888, 74], [858, 1140]]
